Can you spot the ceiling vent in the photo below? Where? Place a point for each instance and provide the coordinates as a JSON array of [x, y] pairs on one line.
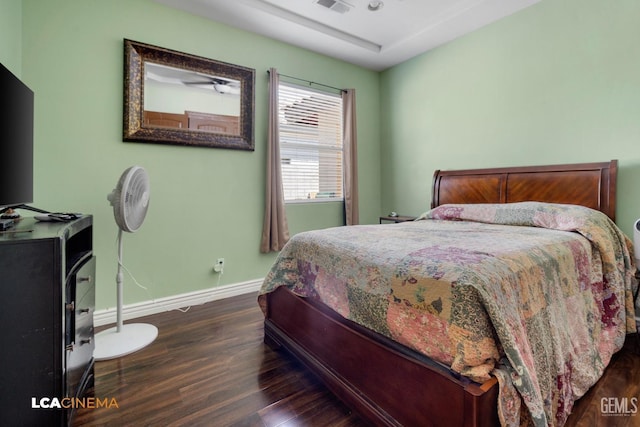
[[335, 5]]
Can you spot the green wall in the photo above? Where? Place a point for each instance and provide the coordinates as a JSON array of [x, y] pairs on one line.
[[11, 35], [558, 82], [205, 203]]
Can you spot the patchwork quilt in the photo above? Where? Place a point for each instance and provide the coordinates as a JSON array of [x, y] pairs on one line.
[[538, 295]]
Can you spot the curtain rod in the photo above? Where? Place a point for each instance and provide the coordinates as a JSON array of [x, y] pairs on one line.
[[310, 82]]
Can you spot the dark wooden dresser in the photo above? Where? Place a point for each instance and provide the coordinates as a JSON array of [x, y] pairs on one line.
[[47, 292]]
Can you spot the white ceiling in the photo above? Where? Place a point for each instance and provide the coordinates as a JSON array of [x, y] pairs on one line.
[[400, 30]]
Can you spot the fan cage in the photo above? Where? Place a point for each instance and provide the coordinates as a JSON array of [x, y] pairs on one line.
[[131, 199]]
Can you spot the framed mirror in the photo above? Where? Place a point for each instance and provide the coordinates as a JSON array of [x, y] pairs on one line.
[[172, 97]]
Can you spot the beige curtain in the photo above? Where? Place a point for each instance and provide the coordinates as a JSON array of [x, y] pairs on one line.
[[352, 216], [275, 231]]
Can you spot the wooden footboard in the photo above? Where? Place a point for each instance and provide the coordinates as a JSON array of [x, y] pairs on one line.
[[382, 380]]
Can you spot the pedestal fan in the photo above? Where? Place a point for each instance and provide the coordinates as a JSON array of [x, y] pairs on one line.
[[130, 200]]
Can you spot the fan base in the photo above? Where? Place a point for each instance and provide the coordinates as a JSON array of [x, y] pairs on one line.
[[111, 344]]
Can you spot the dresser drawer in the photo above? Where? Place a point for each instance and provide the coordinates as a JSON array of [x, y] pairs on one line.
[[80, 345]]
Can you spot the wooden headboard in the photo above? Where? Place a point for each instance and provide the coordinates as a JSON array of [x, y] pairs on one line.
[[588, 184]]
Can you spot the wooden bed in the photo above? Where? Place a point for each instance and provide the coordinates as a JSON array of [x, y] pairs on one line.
[[418, 391]]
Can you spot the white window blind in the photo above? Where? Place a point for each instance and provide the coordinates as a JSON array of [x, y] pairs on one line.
[[310, 143]]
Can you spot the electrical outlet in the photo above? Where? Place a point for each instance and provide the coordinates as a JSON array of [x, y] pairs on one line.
[[219, 265]]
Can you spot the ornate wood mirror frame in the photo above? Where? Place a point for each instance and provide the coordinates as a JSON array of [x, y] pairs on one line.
[[218, 88]]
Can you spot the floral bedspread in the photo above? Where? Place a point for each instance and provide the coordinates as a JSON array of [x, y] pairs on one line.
[[538, 295]]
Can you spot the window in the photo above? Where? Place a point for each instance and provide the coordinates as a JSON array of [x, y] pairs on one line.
[[310, 144]]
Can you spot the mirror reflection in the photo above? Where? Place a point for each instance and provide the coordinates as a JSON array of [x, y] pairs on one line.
[[177, 98], [172, 97]]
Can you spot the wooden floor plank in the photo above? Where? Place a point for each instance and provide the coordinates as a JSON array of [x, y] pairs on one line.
[[209, 367]]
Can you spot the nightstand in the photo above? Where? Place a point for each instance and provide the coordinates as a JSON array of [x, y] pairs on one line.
[[397, 219]]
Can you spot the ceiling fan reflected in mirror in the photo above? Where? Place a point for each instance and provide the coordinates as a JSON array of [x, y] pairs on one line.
[[171, 75], [220, 85]]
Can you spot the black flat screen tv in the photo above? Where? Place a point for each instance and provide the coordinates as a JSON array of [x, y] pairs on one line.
[[16, 141]]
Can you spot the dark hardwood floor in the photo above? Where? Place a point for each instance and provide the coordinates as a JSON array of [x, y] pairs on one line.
[[209, 367]]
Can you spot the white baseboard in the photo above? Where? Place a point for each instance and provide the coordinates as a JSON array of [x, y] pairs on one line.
[[145, 308]]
